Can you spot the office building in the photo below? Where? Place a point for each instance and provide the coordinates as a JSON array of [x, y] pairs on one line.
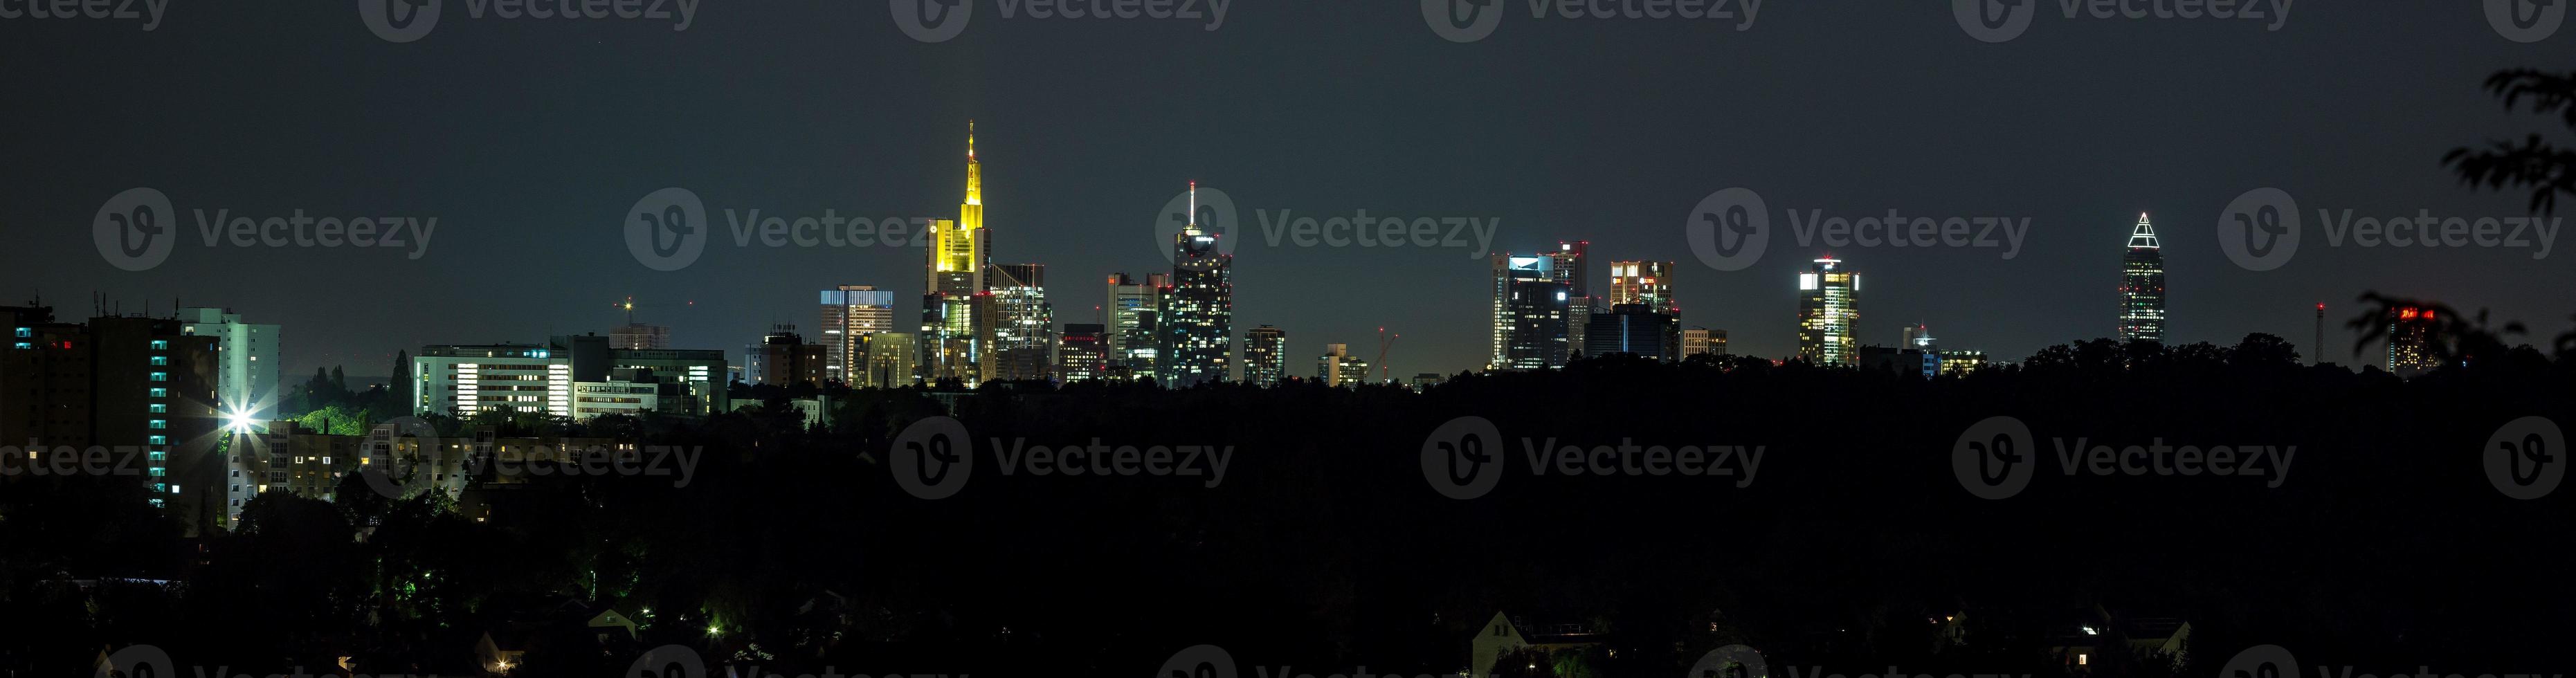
[[2410, 334], [1195, 323], [949, 328], [848, 314], [246, 383], [1828, 310], [1082, 352], [1021, 331], [891, 361], [1531, 327], [1634, 329], [1132, 305], [1265, 356], [786, 360], [2142, 286], [1338, 368], [1702, 340], [639, 336], [471, 379], [1644, 282]]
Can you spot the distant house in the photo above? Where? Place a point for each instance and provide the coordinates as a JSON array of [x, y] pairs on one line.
[[2095, 634], [506, 646], [1502, 636]]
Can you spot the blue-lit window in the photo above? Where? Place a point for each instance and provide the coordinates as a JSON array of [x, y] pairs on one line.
[[159, 424], [25, 332], [25, 345], [160, 361], [160, 456], [160, 440], [157, 344], [158, 408], [158, 392], [160, 376]]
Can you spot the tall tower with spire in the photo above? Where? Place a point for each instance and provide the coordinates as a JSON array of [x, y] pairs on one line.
[[2142, 285], [949, 327], [1194, 337]]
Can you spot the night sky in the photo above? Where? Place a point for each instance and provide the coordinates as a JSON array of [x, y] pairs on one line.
[[528, 139]]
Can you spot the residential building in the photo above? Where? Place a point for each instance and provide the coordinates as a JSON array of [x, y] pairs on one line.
[[246, 383]]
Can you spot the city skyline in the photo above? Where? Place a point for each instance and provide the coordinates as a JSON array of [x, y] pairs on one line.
[[1073, 185]]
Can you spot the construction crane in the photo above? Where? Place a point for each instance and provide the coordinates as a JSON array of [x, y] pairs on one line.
[[1385, 372]]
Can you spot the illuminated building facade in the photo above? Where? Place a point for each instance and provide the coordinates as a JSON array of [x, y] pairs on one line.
[[1644, 282], [470, 379], [1265, 356], [1828, 308], [1132, 305], [1532, 305], [949, 328], [1082, 353], [786, 359], [247, 381], [2410, 335], [142, 388], [639, 336], [2142, 286], [848, 314], [1634, 329], [1569, 264], [890, 362], [1338, 368], [1699, 340], [1019, 332], [1195, 323]]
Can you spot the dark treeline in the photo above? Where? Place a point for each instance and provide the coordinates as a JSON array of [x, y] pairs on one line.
[[1324, 549]]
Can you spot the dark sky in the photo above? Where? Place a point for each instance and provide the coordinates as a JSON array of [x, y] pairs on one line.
[[528, 139]]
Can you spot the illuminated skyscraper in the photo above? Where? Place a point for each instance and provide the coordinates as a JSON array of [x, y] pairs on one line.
[[2410, 333], [1572, 267], [1828, 308], [1338, 368], [849, 313], [1082, 352], [1644, 282], [1265, 356], [1531, 304], [955, 276], [1195, 324], [1019, 335], [1132, 306], [2142, 286]]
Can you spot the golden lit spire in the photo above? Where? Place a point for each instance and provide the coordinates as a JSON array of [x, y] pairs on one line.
[[974, 173]]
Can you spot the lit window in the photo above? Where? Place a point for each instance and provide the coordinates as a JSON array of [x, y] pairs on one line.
[[160, 376], [158, 408], [160, 393], [157, 344], [160, 360]]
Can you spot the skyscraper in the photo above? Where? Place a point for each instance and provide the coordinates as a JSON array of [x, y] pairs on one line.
[[246, 380], [1019, 325], [1644, 282], [849, 313], [1196, 320], [1338, 368], [1829, 306], [1132, 306], [1573, 268], [2142, 286], [1265, 356], [1082, 352], [639, 336], [1635, 329], [1531, 305], [955, 276], [2410, 333]]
